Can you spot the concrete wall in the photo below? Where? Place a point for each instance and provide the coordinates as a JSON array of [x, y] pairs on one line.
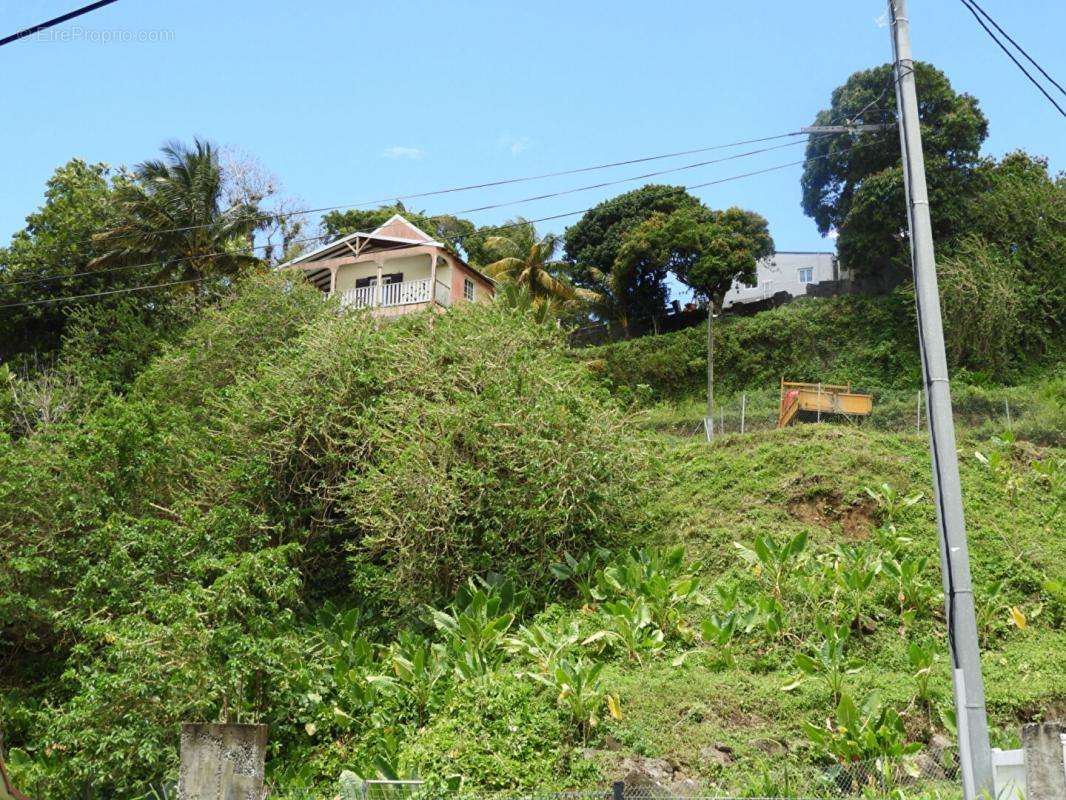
[[1044, 745], [222, 762], [781, 273]]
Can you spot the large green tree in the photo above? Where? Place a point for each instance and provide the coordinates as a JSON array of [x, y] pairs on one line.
[[173, 213], [593, 243], [853, 182], [705, 249], [50, 256], [1003, 277]]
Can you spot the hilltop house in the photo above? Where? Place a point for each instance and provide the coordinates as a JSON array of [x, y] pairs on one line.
[[395, 269], [789, 274]]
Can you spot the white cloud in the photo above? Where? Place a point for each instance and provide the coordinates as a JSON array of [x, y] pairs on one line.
[[399, 151], [514, 144]]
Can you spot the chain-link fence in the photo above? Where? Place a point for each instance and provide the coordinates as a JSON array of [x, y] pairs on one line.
[[929, 775], [983, 412]]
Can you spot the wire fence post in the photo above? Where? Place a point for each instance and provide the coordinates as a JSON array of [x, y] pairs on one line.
[[819, 418], [1006, 406], [721, 420], [918, 407], [743, 409], [618, 790]]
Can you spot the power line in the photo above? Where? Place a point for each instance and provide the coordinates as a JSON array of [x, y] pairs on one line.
[[1017, 46], [100, 294], [45, 279], [1010, 55], [261, 217], [504, 226], [55, 21], [631, 179]]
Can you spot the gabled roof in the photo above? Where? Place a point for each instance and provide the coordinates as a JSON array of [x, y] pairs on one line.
[[401, 227], [395, 232]]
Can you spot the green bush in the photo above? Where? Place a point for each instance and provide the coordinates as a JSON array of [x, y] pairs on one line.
[[163, 553], [869, 342]]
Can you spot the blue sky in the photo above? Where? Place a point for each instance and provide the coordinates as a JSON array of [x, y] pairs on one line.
[[351, 101]]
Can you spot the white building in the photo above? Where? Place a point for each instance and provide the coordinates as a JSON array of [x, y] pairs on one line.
[[790, 272]]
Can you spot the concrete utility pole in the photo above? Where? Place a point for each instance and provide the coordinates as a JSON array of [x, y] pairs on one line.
[[975, 754]]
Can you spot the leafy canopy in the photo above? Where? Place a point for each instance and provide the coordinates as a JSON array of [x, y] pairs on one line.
[[707, 250], [837, 177], [527, 260], [593, 243], [172, 212], [57, 241]]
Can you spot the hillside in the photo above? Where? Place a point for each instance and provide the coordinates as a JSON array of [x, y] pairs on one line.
[[407, 548]]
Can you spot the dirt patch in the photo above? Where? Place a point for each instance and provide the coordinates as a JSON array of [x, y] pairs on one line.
[[825, 510]]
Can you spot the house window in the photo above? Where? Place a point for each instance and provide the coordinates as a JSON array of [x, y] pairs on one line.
[[386, 279], [468, 289], [806, 274]]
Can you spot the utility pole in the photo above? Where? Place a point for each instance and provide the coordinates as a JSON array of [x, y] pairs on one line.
[[975, 753]]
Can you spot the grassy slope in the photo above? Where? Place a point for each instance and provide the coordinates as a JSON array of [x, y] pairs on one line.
[[811, 478]]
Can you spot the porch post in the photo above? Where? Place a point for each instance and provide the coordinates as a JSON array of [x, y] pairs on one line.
[[378, 293], [332, 279], [432, 279]]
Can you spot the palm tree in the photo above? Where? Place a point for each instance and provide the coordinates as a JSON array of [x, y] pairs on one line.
[[527, 261], [171, 211]]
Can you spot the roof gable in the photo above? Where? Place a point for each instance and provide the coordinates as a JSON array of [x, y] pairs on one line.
[[402, 228]]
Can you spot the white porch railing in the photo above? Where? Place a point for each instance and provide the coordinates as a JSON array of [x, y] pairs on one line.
[[404, 293]]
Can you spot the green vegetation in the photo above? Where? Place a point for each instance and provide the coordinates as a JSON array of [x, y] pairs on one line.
[[437, 547], [446, 546], [853, 183], [170, 551], [866, 341], [526, 262]]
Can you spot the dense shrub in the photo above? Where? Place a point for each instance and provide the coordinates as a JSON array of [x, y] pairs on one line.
[[869, 342], [161, 555]]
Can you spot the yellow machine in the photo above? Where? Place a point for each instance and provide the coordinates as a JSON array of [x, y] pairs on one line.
[[821, 398]]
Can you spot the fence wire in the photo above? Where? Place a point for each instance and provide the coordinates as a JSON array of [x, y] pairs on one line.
[[928, 775]]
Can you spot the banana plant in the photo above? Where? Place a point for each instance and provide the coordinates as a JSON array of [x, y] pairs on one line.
[[772, 560], [921, 658], [475, 625], [719, 631], [853, 569], [909, 574], [892, 505], [418, 666], [862, 733], [582, 572], [542, 646], [580, 692], [630, 624], [659, 578], [829, 662], [350, 657]]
